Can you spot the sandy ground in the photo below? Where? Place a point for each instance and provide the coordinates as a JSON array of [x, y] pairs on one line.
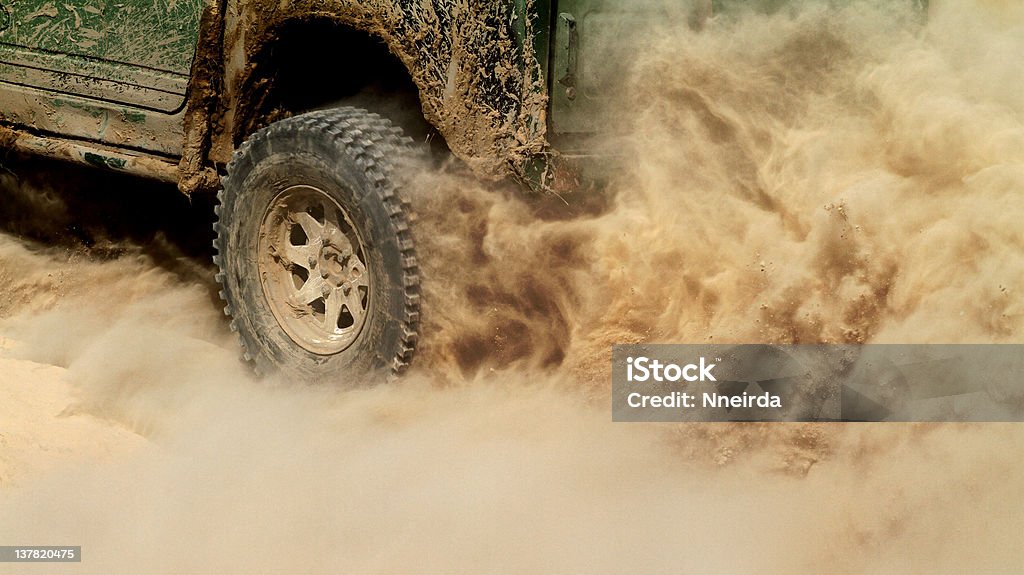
[[130, 427], [42, 432]]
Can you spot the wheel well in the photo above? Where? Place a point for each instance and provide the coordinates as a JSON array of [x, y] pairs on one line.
[[317, 64]]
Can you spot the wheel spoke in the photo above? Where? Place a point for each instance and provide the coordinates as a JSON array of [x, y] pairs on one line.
[[337, 238], [332, 309], [309, 292], [358, 270], [312, 228], [330, 216], [355, 304], [301, 255]]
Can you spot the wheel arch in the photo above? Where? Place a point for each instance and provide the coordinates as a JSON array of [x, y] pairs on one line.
[[475, 78], [296, 73]]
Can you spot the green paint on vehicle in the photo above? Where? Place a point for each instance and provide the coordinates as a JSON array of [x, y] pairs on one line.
[[91, 110], [156, 34], [104, 161], [133, 116]]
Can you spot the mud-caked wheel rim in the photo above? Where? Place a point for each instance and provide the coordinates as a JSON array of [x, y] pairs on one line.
[[313, 268]]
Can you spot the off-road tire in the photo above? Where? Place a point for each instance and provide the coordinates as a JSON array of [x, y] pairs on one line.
[[354, 157]]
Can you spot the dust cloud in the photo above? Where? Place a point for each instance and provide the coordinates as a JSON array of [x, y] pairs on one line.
[[812, 175]]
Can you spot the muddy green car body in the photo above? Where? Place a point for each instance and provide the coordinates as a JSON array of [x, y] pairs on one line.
[[169, 88]]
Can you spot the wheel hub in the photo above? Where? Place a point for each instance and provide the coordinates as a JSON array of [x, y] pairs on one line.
[[313, 270]]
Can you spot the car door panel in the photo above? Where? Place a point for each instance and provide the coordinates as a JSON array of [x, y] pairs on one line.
[[88, 119], [132, 52], [112, 71]]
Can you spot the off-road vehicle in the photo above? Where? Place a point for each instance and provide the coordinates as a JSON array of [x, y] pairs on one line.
[[298, 111]]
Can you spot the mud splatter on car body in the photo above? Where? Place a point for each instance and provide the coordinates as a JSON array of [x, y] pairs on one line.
[[479, 82], [210, 66]]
